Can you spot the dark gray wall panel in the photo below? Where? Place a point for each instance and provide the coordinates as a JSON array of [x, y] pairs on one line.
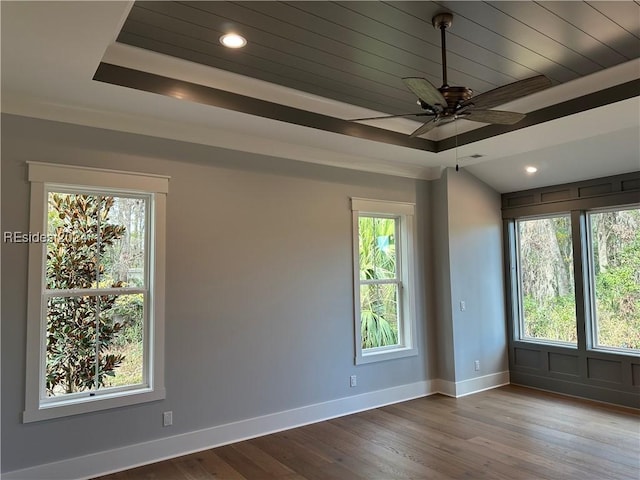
[[524, 357], [630, 184], [555, 195], [596, 190], [607, 376], [635, 374], [593, 392], [561, 363], [604, 370], [596, 193]]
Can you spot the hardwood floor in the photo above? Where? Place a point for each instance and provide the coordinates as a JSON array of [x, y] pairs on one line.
[[508, 433]]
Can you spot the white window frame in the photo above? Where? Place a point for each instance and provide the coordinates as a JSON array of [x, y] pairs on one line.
[[590, 289], [43, 178], [405, 250], [519, 307]]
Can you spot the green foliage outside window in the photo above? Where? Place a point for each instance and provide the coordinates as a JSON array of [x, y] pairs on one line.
[[546, 279], [378, 300], [546, 269], [616, 261], [90, 337]]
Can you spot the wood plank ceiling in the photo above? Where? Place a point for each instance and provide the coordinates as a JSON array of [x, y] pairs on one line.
[[357, 52]]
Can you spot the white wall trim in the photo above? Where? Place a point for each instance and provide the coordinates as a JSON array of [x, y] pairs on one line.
[[472, 385], [122, 458], [118, 459], [444, 387]]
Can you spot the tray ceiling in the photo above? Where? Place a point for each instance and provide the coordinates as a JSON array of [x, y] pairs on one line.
[[357, 52], [309, 67]]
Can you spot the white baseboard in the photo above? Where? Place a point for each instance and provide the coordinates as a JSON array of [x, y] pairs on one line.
[[123, 458], [473, 385]]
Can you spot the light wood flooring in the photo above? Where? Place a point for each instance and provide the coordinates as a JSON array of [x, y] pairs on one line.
[[507, 433]]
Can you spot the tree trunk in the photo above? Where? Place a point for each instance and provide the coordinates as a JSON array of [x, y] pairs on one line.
[[563, 276], [603, 248]]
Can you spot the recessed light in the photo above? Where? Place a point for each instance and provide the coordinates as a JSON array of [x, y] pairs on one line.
[[531, 169], [233, 40]]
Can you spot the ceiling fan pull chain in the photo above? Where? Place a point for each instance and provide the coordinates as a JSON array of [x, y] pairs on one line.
[[456, 127]]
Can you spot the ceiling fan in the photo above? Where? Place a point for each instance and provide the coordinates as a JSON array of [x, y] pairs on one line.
[[447, 103]]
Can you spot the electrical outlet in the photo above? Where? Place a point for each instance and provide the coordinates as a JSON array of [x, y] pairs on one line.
[[463, 305], [353, 380], [476, 365], [167, 419]]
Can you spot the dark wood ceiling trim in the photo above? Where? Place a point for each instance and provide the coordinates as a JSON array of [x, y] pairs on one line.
[[149, 82], [570, 107]]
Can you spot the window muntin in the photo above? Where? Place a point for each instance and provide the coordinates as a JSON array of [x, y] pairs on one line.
[[383, 280], [140, 296], [614, 244], [96, 289], [546, 284]]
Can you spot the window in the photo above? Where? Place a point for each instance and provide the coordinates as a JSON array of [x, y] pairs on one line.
[[547, 305], [615, 278], [383, 280], [96, 314], [553, 303]]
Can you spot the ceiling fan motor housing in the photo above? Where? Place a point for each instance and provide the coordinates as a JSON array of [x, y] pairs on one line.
[[455, 96]]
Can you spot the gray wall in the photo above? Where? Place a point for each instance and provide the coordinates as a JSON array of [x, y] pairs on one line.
[[476, 266], [259, 305], [442, 279], [259, 309], [467, 235]]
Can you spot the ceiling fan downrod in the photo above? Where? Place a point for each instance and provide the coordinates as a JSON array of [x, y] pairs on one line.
[[442, 21]]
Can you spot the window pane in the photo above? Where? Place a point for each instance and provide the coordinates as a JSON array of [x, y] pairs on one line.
[[615, 238], [379, 315], [121, 335], [377, 244], [73, 230], [546, 279], [71, 345], [123, 241], [96, 241]]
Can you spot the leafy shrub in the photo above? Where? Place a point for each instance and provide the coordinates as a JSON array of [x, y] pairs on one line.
[[76, 340]]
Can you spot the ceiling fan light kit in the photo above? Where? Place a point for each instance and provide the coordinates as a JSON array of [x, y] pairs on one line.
[[448, 103]]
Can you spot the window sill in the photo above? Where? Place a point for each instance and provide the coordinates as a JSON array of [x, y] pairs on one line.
[[616, 351], [92, 404], [544, 341], [385, 354]]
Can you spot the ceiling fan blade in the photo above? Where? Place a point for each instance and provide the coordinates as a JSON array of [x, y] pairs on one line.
[[430, 125], [494, 116], [420, 114], [425, 91], [509, 92]]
